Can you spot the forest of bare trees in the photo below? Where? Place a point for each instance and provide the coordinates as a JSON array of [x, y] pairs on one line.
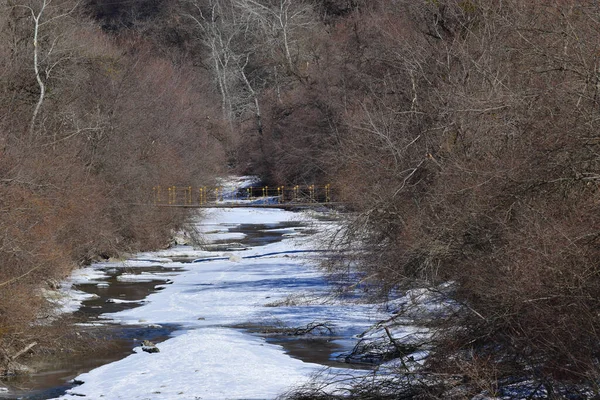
[[462, 134]]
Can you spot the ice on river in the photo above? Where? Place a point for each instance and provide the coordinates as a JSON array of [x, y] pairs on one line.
[[212, 363], [207, 358]]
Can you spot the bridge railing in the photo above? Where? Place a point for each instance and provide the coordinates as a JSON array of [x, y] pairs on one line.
[[205, 195]]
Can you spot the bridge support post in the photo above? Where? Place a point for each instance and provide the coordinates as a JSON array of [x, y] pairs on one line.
[[156, 190]]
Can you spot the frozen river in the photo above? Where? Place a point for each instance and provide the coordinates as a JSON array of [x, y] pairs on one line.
[[227, 312]]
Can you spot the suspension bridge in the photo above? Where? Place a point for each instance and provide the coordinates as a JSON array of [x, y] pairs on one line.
[[296, 196]]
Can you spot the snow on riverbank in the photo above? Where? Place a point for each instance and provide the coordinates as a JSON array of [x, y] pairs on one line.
[[274, 284]]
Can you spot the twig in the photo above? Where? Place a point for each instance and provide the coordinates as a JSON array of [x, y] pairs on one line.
[[25, 350], [20, 276]]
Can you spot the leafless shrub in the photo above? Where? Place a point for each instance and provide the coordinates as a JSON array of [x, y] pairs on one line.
[[476, 164]]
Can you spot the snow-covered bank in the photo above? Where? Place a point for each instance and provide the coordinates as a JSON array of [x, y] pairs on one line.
[[208, 357]]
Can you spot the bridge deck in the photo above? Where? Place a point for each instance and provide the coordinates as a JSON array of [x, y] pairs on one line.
[[253, 205]]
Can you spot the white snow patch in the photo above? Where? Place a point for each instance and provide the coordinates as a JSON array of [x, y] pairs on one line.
[[144, 277], [86, 275], [121, 301], [247, 215], [66, 299], [211, 363]]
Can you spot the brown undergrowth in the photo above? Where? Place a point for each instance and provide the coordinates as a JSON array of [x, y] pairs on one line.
[[481, 169], [89, 124]]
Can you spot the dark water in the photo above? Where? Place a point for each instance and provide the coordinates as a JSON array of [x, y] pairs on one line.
[[263, 234], [117, 290], [55, 377], [318, 348], [257, 235]]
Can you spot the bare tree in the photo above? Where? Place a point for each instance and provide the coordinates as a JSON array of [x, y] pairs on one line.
[[43, 14], [219, 31], [281, 25]]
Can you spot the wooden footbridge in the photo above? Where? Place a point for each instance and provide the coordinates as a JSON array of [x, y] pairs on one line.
[[264, 196]]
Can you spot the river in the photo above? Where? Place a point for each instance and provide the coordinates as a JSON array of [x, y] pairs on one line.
[[227, 316]]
